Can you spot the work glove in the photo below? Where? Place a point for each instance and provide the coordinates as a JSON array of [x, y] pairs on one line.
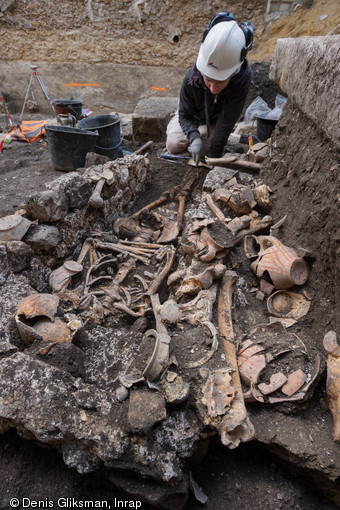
[[196, 149]]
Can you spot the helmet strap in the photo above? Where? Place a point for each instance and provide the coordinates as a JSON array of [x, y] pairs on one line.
[[248, 31], [218, 18]]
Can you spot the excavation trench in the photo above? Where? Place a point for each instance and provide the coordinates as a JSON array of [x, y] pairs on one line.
[[134, 336]]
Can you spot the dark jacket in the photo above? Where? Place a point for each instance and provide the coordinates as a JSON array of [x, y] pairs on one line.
[[224, 109]]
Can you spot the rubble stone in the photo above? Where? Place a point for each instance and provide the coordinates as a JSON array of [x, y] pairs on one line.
[[19, 255], [42, 238], [151, 116], [4, 265], [217, 178], [146, 408], [94, 159], [46, 206]]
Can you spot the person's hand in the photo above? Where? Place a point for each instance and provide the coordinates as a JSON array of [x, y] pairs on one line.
[[196, 149]]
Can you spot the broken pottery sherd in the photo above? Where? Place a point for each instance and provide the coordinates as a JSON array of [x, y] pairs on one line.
[[31, 309], [251, 361], [261, 151], [160, 356], [13, 227], [175, 389], [56, 331], [264, 197], [250, 247], [333, 379], [287, 323], [38, 305], [61, 277], [213, 342], [238, 197], [266, 287], [276, 382], [288, 304], [283, 265], [294, 382]]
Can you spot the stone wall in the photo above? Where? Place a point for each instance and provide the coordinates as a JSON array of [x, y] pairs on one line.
[[307, 70]]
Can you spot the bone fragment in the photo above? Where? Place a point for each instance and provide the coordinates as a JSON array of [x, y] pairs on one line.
[[125, 251], [333, 379], [160, 276], [142, 148], [233, 162], [236, 425], [96, 200], [165, 196], [182, 197], [87, 246], [216, 210], [143, 245]]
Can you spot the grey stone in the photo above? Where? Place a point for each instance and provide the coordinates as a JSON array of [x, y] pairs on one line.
[[19, 255], [74, 186], [47, 206], [126, 119], [307, 70], [122, 393], [151, 117], [64, 356], [42, 238], [14, 290], [217, 178], [94, 159], [145, 410], [140, 325], [38, 274], [5, 269]]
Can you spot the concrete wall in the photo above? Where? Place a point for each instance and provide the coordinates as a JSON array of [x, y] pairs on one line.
[[307, 70]]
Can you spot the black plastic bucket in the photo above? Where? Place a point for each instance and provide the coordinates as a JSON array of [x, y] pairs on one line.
[[265, 127], [65, 106], [68, 146], [109, 129]]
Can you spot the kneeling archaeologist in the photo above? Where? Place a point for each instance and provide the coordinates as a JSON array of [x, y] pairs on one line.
[[214, 90]]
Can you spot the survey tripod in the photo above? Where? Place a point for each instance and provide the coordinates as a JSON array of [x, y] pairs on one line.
[[32, 102]]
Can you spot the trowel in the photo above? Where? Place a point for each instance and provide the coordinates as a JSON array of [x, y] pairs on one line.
[[188, 159]]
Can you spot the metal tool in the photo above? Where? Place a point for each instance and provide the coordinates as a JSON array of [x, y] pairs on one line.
[[32, 102], [175, 157], [188, 159]]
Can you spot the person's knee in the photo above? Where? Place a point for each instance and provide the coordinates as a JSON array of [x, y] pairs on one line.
[[176, 144]]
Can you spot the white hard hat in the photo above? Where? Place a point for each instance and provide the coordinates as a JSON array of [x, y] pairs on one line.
[[220, 52]]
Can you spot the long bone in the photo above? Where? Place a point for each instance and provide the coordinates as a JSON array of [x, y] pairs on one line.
[[160, 276], [165, 196], [182, 197], [234, 163], [236, 425], [124, 250]]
